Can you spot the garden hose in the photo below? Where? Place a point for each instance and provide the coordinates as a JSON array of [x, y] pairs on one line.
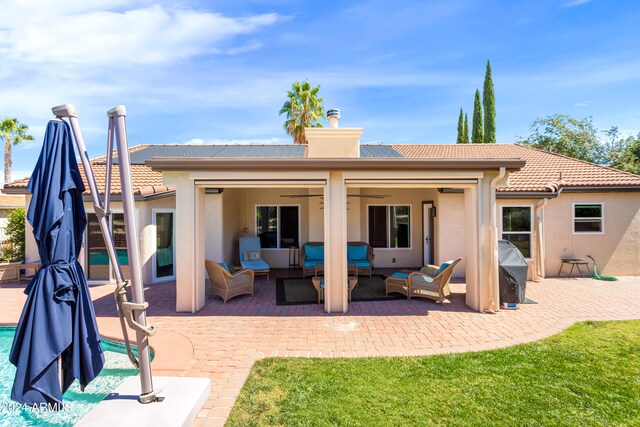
[[599, 277]]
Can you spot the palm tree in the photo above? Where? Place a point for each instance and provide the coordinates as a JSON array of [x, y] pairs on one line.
[[12, 132], [304, 109]]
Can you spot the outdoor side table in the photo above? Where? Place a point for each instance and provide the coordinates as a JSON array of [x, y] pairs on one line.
[[353, 282], [318, 283], [574, 263]]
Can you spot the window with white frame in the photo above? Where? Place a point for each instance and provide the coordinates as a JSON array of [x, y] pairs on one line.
[[278, 226], [389, 226], [516, 227], [587, 218]]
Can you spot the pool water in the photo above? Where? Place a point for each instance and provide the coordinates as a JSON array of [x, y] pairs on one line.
[[77, 403]]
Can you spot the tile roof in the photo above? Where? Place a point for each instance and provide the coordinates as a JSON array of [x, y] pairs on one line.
[[541, 170], [145, 181]]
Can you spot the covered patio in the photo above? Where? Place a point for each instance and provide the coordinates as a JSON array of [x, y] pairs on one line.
[[202, 213]]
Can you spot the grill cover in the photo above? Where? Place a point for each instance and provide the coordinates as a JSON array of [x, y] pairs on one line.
[[513, 269]]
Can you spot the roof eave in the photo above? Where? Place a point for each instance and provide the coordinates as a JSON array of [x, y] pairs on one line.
[[601, 188], [330, 164], [15, 190]]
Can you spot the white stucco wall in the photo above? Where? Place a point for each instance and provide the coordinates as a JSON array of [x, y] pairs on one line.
[[616, 251], [238, 210]]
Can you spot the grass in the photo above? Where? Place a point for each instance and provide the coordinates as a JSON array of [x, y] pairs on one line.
[[588, 375]]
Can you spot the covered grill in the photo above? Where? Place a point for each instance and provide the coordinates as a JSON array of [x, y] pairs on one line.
[[513, 269]]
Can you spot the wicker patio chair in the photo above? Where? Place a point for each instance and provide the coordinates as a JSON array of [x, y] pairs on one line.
[[227, 285], [430, 282]]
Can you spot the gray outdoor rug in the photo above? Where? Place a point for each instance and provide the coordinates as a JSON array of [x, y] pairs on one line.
[[301, 291]]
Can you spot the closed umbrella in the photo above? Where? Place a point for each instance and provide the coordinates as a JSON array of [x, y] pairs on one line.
[[58, 322]]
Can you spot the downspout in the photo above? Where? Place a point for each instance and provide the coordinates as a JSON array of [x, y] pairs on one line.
[[494, 242], [539, 270]]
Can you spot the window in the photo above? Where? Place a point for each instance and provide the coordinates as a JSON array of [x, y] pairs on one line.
[[278, 226], [516, 227], [389, 226], [587, 218], [99, 265]]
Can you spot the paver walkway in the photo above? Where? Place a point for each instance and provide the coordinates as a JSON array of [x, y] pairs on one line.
[[227, 339]]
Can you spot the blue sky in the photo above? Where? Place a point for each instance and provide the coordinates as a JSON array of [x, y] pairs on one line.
[[197, 71]]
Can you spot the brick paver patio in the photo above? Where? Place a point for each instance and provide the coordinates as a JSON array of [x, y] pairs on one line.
[[227, 339]]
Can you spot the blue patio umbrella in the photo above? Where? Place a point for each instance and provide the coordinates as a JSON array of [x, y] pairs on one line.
[[58, 321]]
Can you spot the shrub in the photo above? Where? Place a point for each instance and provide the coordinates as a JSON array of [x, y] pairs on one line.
[[13, 246]]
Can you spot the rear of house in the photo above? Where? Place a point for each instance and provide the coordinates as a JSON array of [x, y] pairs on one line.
[[414, 204]]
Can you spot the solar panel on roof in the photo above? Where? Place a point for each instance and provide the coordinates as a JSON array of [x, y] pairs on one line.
[[215, 151], [378, 151]]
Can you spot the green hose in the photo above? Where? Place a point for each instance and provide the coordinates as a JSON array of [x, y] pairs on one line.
[[599, 277]]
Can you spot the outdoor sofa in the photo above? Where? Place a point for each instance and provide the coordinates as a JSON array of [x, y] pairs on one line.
[[359, 254]]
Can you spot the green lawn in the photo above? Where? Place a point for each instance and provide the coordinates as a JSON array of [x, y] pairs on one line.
[[586, 375]]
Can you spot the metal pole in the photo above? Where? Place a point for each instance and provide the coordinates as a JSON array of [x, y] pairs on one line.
[[69, 112], [137, 292]]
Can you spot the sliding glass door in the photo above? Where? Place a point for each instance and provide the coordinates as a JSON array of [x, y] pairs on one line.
[[164, 265]]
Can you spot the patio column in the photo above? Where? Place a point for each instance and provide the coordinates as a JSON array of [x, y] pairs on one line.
[[482, 281], [190, 236], [335, 244]]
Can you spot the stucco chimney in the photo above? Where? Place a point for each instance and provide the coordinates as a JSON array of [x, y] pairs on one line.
[[333, 141]]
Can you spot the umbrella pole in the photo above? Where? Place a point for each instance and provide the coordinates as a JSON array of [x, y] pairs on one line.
[[139, 306], [135, 311]]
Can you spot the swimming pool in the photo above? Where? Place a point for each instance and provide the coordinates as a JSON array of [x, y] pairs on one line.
[[77, 403]]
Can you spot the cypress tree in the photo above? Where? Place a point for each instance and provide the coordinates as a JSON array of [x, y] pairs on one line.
[[460, 139], [476, 132], [465, 131], [489, 103]]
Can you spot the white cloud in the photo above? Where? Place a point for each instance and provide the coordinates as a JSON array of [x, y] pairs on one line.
[[574, 3], [145, 35]]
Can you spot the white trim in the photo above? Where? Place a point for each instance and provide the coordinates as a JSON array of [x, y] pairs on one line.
[[277, 206], [531, 225], [154, 272], [388, 225], [573, 218], [239, 183]]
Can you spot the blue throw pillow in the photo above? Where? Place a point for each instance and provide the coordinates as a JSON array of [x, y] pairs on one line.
[[225, 266], [314, 252], [443, 266], [357, 252]]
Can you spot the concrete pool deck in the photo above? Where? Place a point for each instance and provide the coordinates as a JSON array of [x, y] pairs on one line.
[[222, 341]]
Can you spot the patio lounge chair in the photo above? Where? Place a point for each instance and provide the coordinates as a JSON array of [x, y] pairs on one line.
[[251, 256], [430, 282], [227, 285]]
